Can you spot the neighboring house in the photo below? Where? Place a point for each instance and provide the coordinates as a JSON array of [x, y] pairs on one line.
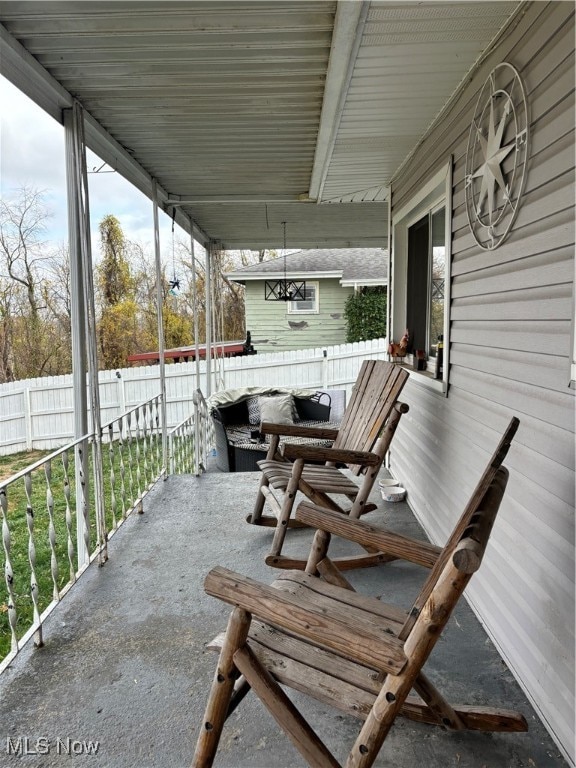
[[331, 276]]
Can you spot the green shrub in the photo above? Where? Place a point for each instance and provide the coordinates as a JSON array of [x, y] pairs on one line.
[[365, 314]]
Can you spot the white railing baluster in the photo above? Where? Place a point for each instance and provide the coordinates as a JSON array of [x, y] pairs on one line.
[[82, 502], [138, 451], [198, 465], [111, 458], [158, 433], [68, 518], [189, 447], [51, 529], [121, 449], [8, 571], [145, 444], [34, 591], [130, 456], [189, 439], [152, 433]]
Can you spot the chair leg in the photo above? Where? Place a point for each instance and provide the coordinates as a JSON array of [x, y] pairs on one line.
[[260, 501], [284, 712], [217, 708], [318, 551], [286, 511], [437, 703], [260, 498], [357, 509], [241, 689], [332, 575], [376, 727]]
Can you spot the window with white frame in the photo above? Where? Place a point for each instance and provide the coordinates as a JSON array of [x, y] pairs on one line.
[[310, 304], [421, 274]]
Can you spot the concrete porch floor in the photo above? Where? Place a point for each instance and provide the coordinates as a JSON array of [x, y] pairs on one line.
[[124, 662]]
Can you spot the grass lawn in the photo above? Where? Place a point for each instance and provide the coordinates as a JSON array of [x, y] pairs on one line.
[[115, 478]]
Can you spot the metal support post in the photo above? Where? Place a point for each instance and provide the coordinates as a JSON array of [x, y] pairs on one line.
[[90, 328], [195, 306], [208, 323], [159, 307], [78, 323]]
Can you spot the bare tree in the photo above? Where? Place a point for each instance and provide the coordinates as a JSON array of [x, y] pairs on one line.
[[58, 301], [29, 345], [22, 222], [247, 258], [6, 331], [177, 318], [228, 295]]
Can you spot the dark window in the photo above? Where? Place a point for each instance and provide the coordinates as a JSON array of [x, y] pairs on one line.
[[417, 285], [425, 282]]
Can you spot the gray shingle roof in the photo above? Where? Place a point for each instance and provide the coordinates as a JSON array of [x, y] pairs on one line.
[[353, 264]]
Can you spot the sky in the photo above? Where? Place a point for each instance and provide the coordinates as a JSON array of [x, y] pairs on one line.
[[32, 154]]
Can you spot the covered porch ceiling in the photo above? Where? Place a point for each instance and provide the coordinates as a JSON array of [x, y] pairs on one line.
[[249, 113]]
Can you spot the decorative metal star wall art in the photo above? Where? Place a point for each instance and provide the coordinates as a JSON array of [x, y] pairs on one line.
[[496, 157]]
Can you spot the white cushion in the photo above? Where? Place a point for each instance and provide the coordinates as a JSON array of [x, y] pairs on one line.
[[277, 409]]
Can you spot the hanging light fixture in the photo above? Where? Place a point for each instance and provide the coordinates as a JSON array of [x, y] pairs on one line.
[[284, 289]]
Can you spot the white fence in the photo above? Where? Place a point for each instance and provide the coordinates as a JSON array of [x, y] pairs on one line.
[[39, 413]]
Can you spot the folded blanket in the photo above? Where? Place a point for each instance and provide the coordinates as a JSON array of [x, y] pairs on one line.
[[229, 396]]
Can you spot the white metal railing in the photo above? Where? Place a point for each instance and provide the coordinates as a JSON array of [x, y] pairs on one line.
[[191, 440], [46, 517]]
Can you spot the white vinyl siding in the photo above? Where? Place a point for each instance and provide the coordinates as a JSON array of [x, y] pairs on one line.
[[511, 317]]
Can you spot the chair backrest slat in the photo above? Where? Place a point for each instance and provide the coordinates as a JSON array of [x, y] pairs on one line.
[[377, 388], [353, 406], [479, 495], [464, 558]]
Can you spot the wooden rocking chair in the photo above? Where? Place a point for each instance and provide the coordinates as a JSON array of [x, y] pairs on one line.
[[352, 652], [361, 443]]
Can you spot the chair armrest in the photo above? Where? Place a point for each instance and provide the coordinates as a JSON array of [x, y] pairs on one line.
[[341, 455], [414, 551], [297, 430], [367, 644]]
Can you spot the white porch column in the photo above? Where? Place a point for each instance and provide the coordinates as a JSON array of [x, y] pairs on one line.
[[78, 323], [208, 315], [195, 305], [159, 305], [83, 209]]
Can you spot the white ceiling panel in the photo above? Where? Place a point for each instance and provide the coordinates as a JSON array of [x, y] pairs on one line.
[[243, 111], [411, 59]]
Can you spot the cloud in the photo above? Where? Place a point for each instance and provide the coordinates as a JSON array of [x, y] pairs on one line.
[[32, 143], [32, 153]]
